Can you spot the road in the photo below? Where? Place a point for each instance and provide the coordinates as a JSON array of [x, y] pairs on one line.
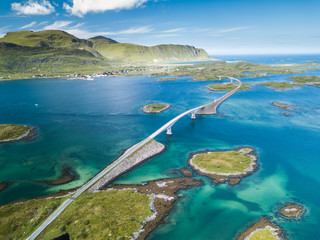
[[131, 150]]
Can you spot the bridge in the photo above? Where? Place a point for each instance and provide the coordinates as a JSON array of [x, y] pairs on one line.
[[204, 109]]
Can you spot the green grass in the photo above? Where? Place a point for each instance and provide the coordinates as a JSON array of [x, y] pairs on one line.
[[212, 71], [222, 162], [158, 74], [277, 85], [155, 107], [167, 79], [11, 131], [109, 214], [263, 234], [227, 86], [305, 79], [18, 221]]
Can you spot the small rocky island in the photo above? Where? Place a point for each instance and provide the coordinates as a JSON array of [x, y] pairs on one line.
[[292, 210], [13, 132], [283, 106], [225, 166], [262, 230], [155, 108]]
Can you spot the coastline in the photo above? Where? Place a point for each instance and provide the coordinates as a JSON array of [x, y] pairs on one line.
[[231, 178], [261, 224], [29, 133], [163, 193]]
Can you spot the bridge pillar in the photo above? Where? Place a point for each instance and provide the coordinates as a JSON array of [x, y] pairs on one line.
[[231, 80], [193, 115], [169, 132], [219, 77]]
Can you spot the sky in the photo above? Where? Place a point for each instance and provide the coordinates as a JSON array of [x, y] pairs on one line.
[[219, 26]]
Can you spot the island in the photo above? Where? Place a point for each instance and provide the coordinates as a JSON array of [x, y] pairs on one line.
[[167, 79], [227, 86], [263, 229], [283, 106], [14, 132], [225, 166], [155, 108], [278, 85], [115, 212], [292, 210], [305, 79]]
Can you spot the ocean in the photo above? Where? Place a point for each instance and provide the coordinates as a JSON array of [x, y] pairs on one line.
[[85, 125]]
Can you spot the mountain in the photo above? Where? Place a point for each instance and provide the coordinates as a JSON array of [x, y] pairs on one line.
[[53, 51]]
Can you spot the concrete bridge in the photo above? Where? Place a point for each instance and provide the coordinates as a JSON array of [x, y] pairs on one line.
[[204, 109]]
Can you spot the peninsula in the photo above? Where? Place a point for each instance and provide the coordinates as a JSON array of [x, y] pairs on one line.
[[14, 132], [263, 229], [225, 166]]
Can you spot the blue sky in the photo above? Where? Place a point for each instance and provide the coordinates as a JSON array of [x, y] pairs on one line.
[[218, 26]]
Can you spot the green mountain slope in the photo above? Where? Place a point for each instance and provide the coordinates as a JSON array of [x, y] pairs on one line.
[[132, 53], [54, 52]]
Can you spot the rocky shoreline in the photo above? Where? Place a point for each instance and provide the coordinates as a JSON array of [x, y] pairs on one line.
[[66, 177], [231, 178], [260, 225], [3, 186], [292, 210], [29, 133], [149, 150], [163, 193]]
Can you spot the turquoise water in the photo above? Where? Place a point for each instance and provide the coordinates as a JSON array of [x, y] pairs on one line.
[[86, 125]]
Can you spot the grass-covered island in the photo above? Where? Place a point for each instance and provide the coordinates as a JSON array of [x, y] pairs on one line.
[[115, 212], [261, 230], [227, 86], [225, 166], [13, 132], [283, 106], [292, 210], [167, 79], [278, 85], [155, 108]]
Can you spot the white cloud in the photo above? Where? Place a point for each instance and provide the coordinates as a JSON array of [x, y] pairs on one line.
[[33, 7], [174, 30], [29, 25], [58, 25], [69, 27], [232, 29], [166, 35], [82, 7]]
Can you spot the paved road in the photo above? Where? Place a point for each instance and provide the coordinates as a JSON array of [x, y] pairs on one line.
[[131, 150]]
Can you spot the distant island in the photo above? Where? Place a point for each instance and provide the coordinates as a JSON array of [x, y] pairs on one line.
[[155, 108], [226, 86], [225, 166], [14, 132]]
